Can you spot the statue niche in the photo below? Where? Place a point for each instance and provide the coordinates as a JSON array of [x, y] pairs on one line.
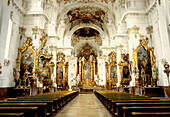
[[125, 69], [26, 62], [144, 61]]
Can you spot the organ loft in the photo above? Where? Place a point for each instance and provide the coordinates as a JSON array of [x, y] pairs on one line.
[[71, 47]]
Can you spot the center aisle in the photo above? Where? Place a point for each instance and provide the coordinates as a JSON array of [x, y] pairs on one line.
[[84, 105]]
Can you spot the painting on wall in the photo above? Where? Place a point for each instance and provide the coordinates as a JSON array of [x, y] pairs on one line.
[[144, 61], [27, 62], [126, 72], [113, 71], [59, 71], [87, 71]]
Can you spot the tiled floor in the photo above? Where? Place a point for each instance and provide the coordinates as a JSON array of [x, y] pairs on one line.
[[84, 105]]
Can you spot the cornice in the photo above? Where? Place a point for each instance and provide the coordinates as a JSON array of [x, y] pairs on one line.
[[106, 47], [26, 13], [18, 7], [120, 35], [139, 12], [151, 8], [38, 14]]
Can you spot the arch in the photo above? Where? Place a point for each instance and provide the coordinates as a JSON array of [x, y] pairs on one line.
[[79, 46], [70, 33]]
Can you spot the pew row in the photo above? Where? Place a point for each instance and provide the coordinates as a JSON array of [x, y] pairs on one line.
[[150, 114], [11, 114], [116, 101], [45, 103]]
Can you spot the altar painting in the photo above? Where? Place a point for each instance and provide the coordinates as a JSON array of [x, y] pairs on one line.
[[59, 71], [113, 71], [126, 72], [27, 61], [144, 61], [87, 71]]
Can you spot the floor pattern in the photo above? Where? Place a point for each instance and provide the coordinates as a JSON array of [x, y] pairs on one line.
[[84, 105]]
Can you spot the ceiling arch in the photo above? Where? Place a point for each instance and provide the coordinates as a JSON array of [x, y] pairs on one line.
[[69, 33]]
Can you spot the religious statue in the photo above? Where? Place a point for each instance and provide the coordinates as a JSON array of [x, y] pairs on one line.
[[144, 78], [154, 76], [136, 73]]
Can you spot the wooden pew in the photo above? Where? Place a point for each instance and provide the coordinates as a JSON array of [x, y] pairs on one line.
[[49, 105], [55, 101], [107, 98], [28, 111], [119, 106], [41, 110], [128, 110], [11, 114], [150, 114], [113, 103], [59, 98]]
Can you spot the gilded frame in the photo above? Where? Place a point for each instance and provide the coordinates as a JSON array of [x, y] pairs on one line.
[[114, 79], [63, 68], [112, 60], [143, 44], [150, 49], [27, 45]]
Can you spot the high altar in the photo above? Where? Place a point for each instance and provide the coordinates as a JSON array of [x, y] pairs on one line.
[[87, 67]]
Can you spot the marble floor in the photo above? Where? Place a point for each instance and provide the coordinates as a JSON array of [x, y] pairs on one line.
[[84, 105]]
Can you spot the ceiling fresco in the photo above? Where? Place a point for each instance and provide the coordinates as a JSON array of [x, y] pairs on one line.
[[86, 32], [86, 1], [87, 14]]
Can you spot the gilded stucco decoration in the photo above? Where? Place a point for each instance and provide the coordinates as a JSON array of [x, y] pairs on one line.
[[87, 52], [149, 30], [86, 1], [36, 31], [22, 32], [133, 30]]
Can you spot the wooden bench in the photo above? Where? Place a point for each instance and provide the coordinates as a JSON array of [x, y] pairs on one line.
[[11, 114], [119, 106], [41, 110], [49, 105], [150, 114], [128, 110], [111, 100], [28, 111], [58, 99], [56, 105]]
